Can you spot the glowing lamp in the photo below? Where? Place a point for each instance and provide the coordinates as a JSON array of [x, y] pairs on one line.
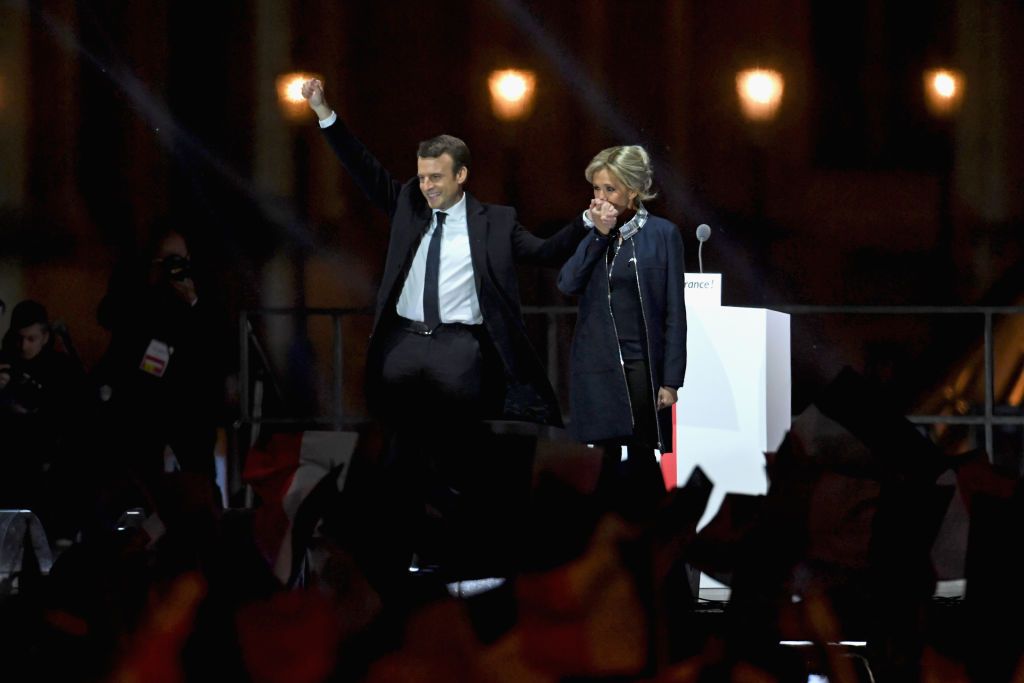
[[511, 93], [289, 94], [943, 91], [760, 93]]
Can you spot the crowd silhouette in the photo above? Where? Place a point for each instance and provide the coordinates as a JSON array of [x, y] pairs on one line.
[[545, 576]]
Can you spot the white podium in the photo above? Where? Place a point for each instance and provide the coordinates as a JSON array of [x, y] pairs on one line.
[[736, 403]]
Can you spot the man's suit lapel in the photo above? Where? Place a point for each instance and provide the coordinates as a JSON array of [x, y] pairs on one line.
[[419, 227], [477, 222], [406, 233]]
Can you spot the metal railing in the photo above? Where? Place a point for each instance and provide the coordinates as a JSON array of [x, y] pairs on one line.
[[988, 419], [249, 345]]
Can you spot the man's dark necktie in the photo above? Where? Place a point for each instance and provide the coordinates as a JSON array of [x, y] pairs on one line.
[[431, 300]]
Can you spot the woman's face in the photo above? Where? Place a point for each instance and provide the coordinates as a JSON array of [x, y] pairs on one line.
[[610, 189]]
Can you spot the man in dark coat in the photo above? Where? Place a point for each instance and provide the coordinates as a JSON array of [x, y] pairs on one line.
[[496, 242], [163, 376], [43, 405], [449, 346]]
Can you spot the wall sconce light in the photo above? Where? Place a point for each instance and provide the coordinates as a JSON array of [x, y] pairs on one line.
[[760, 93], [943, 91], [511, 93], [289, 94]]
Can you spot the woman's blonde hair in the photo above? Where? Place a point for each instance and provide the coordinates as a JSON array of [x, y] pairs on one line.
[[630, 164]]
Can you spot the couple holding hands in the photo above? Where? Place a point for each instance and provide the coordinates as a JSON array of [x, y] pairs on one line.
[[449, 347]]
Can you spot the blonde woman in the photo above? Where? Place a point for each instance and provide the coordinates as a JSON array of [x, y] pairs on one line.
[[629, 348]]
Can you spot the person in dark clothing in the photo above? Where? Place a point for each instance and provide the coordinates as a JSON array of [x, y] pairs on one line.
[[628, 356], [449, 348], [162, 379], [42, 405]]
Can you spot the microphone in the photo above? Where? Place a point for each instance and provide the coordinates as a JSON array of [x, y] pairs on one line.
[[703, 233]]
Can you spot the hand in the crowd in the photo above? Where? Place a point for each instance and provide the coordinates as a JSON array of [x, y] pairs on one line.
[[186, 290], [667, 396], [603, 214], [313, 91], [5, 374]]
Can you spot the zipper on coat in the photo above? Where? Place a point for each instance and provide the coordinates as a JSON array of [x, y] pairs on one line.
[[647, 342], [618, 348]]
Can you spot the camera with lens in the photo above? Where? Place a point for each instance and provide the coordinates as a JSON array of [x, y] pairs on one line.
[[176, 268], [22, 391]]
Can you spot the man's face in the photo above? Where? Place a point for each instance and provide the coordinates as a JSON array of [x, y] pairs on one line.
[[32, 340], [441, 187], [171, 245]]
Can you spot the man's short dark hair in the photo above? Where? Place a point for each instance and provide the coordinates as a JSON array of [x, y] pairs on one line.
[[453, 146], [28, 313]]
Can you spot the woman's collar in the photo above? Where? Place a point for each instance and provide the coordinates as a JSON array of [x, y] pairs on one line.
[[634, 224]]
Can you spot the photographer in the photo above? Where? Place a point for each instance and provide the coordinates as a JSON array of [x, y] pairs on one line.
[[162, 379], [42, 404]]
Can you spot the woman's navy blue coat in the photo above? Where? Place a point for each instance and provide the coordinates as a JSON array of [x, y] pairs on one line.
[[598, 396]]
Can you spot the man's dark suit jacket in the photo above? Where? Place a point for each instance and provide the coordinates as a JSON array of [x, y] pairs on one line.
[[497, 242]]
